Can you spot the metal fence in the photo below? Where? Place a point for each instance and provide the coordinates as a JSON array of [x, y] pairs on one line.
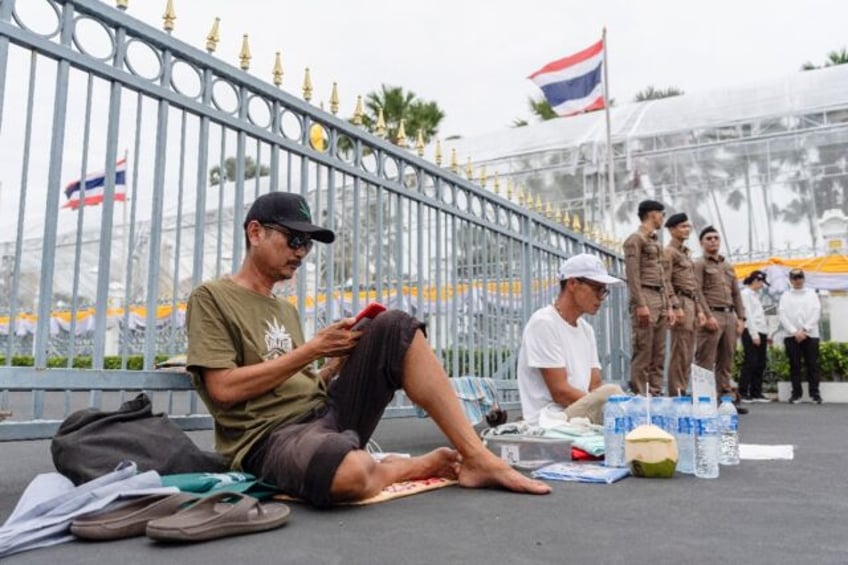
[[92, 298]]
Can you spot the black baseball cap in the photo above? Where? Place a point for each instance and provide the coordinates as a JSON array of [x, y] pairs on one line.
[[756, 275], [289, 211]]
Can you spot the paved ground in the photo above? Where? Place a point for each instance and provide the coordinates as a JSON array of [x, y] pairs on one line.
[[762, 512]]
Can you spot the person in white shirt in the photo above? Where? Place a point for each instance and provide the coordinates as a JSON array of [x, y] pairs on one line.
[[799, 312], [754, 340], [558, 360]]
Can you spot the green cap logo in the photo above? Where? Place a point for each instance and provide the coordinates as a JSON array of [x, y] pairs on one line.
[[304, 209]]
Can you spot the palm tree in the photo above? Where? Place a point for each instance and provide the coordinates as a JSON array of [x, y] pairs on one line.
[[399, 104], [651, 93], [833, 58], [251, 170]]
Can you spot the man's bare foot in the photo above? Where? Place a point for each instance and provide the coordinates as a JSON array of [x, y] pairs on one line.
[[487, 471], [442, 462]]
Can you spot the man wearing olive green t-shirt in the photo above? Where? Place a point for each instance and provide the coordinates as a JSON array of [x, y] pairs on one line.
[[304, 430]]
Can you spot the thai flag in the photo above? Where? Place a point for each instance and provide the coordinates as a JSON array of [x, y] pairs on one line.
[[575, 83], [95, 183]]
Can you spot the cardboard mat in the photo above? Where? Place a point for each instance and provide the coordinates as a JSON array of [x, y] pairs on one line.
[[396, 490]]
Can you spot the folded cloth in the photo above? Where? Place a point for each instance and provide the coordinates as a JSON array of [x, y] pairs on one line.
[[593, 445], [580, 472]]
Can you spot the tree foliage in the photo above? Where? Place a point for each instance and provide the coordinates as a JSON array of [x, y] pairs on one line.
[[834, 58], [651, 93], [398, 104], [251, 170]]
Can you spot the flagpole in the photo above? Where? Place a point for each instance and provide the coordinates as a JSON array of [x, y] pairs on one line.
[[610, 163], [124, 229]]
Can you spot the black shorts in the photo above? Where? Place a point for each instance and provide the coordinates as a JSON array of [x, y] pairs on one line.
[[301, 458]]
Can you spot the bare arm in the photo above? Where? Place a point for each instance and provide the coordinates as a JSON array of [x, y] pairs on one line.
[[556, 379], [227, 387], [595, 380]]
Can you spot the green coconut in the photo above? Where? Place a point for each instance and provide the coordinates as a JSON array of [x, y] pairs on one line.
[[651, 452]]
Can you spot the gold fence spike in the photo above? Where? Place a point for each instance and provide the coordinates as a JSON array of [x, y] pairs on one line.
[[278, 70], [509, 189], [307, 85], [334, 99], [419, 143], [558, 215], [169, 17], [438, 153], [575, 223], [566, 220], [401, 135], [213, 36], [549, 210], [244, 54], [454, 164], [539, 206], [380, 128], [469, 171], [497, 184], [357, 112], [483, 176], [519, 196], [121, 4]]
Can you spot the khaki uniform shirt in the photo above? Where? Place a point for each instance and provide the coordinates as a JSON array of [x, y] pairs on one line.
[[717, 281], [643, 266], [681, 273], [230, 326]]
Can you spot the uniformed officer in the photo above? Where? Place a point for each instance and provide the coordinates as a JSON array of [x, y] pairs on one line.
[[651, 300], [716, 340], [690, 310]]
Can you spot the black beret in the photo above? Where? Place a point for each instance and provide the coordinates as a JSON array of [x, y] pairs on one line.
[[676, 219], [705, 231], [650, 206]]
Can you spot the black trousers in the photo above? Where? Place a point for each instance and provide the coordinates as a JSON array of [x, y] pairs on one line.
[[753, 366], [808, 350]]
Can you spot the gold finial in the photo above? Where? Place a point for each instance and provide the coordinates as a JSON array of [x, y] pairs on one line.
[[539, 205], [334, 99], [244, 54], [169, 17], [575, 223], [121, 4], [380, 128], [469, 172], [509, 189], [497, 184], [566, 220], [519, 196], [419, 143], [307, 85], [483, 176], [549, 210], [278, 70], [454, 164], [438, 153], [213, 37], [558, 216], [357, 112], [401, 134]]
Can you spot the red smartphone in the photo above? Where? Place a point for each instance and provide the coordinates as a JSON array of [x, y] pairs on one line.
[[366, 315]]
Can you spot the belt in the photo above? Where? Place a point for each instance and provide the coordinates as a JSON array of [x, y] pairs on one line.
[[686, 293], [652, 287], [727, 309]]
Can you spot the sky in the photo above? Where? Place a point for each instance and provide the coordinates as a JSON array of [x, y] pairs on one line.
[[473, 57]]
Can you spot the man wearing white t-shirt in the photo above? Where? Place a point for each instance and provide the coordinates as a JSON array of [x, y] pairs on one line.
[[558, 361]]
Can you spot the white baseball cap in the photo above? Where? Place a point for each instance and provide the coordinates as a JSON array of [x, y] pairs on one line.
[[589, 267]]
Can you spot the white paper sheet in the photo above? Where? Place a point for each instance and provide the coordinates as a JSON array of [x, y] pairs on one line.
[[756, 452]]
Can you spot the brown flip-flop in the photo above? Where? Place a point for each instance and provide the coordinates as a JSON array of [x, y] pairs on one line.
[[217, 516], [131, 519]]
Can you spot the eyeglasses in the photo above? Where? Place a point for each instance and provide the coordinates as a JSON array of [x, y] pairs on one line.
[[601, 290], [295, 240]]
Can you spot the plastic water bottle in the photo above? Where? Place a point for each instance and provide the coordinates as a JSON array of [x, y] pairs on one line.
[[637, 412], [706, 439], [728, 427], [658, 414], [615, 427], [684, 433]]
